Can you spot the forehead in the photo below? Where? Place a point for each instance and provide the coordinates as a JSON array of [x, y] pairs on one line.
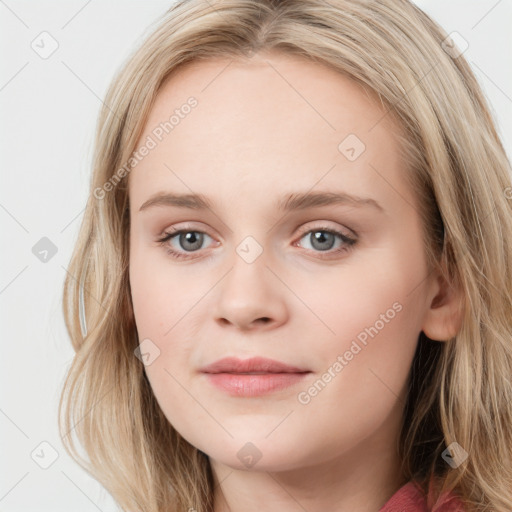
[[271, 122]]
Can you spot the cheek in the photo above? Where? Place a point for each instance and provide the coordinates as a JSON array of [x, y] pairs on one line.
[[160, 294], [159, 302], [361, 386], [165, 303], [371, 320], [372, 297]]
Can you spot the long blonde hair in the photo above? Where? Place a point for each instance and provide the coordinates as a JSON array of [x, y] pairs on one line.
[[460, 390]]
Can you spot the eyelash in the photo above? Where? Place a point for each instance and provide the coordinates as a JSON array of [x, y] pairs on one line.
[[348, 241]]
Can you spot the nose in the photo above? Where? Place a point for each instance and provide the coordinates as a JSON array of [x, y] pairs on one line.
[[251, 297]]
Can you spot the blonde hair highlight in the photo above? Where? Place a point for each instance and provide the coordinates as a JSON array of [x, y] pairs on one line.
[[460, 390]]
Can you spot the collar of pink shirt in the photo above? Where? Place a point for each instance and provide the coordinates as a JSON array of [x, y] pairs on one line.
[[411, 498]]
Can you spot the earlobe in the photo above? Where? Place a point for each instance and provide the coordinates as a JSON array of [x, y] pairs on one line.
[[443, 319]]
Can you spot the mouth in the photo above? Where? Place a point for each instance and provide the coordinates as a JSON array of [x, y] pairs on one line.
[[252, 377], [254, 365]]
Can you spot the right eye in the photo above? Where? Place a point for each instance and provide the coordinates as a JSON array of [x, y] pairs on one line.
[[189, 240]]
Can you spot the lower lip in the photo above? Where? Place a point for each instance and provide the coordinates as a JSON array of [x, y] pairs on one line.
[[237, 384]]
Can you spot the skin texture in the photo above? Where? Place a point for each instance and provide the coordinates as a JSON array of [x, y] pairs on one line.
[[262, 129]]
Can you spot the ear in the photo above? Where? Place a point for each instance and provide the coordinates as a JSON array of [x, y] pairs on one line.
[[443, 318]]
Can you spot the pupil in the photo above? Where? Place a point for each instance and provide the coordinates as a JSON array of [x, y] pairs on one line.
[[320, 238], [191, 238]]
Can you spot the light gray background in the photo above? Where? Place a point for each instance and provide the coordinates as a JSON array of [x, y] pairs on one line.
[[48, 112]]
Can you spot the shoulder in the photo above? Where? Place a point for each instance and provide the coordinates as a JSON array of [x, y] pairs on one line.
[[411, 498]]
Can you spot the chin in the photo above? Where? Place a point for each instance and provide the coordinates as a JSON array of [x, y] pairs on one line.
[[250, 451]]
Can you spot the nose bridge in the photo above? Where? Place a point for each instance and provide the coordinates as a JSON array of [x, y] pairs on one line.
[[249, 292], [247, 281]]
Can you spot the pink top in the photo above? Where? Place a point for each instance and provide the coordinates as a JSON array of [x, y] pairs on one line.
[[410, 498]]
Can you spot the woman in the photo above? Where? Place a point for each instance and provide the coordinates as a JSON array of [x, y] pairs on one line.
[[263, 367]]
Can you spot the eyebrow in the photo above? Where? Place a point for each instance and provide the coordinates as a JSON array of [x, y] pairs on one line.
[[291, 202]]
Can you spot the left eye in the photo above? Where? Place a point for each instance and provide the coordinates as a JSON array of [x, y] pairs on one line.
[[324, 239]]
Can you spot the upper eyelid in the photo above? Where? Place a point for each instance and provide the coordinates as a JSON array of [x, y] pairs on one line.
[[303, 230]]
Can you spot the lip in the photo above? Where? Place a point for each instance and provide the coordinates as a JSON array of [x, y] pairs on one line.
[[252, 377], [254, 364]]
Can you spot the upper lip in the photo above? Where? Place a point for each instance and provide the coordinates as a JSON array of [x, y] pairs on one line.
[[254, 364]]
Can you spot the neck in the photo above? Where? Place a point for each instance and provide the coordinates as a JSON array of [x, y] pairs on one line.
[[362, 479]]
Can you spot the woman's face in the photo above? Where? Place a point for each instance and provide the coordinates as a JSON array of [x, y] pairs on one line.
[[276, 262]]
